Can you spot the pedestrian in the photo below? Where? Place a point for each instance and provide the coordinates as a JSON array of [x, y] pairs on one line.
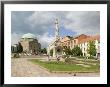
[[74, 74], [48, 57]]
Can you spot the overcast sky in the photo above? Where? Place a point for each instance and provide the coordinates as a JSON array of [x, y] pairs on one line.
[[42, 24]]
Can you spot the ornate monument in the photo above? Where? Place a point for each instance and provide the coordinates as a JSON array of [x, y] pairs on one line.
[[55, 46]]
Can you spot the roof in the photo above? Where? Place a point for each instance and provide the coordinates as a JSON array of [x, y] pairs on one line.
[[74, 37], [29, 35], [66, 38], [92, 38]]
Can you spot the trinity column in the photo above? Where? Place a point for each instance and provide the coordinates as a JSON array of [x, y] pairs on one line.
[[57, 38], [56, 44]]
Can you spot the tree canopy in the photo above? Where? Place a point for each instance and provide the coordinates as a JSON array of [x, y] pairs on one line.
[[76, 51], [91, 48], [20, 48], [66, 50], [44, 51]]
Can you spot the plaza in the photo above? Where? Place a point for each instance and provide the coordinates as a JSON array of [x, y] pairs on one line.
[[24, 67]]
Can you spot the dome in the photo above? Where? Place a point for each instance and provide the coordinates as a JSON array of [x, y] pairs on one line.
[[29, 35]]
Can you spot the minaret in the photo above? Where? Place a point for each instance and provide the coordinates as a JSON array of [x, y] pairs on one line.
[[56, 30]]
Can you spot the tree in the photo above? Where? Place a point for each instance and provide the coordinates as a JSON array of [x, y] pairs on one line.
[[19, 48], [76, 51], [66, 50], [44, 51], [12, 51], [91, 48]]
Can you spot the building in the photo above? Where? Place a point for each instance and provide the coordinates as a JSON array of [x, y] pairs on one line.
[[71, 42], [74, 41], [30, 43], [82, 41], [66, 41], [14, 48], [83, 44]]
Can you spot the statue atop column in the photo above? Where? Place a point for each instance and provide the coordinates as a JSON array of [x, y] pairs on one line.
[[56, 45], [57, 48], [57, 37]]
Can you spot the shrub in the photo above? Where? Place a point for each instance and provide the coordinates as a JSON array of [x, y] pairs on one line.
[[67, 60], [70, 61], [16, 55], [65, 56], [91, 57]]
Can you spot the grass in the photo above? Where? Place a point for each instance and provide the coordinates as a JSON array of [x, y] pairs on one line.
[[62, 66], [78, 56]]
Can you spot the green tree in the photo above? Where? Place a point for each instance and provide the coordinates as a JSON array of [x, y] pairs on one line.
[[12, 51], [76, 51], [91, 48], [66, 50], [19, 48], [44, 51]]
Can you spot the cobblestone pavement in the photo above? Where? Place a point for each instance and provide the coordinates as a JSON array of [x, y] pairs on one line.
[[21, 67]]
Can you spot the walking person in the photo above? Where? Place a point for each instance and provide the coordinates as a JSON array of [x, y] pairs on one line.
[[48, 57]]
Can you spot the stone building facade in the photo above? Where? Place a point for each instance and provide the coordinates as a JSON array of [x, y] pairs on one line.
[[82, 41], [30, 43], [74, 41], [71, 42], [83, 44]]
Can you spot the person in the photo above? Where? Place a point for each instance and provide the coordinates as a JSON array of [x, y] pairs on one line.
[[48, 57], [74, 74]]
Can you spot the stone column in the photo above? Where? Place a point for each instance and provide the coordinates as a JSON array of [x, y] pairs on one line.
[[54, 52], [57, 29]]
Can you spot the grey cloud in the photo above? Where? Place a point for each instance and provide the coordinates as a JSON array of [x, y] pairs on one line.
[[84, 22], [38, 23]]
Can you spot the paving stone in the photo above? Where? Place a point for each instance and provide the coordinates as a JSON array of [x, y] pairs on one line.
[[21, 67]]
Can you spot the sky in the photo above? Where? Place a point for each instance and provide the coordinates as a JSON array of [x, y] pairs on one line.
[[42, 24]]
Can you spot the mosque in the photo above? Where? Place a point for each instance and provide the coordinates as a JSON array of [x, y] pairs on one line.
[[29, 43]]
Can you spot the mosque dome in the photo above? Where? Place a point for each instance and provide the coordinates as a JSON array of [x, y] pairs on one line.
[[29, 35]]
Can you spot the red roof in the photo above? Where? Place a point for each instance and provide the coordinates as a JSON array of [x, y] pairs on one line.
[[92, 38]]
